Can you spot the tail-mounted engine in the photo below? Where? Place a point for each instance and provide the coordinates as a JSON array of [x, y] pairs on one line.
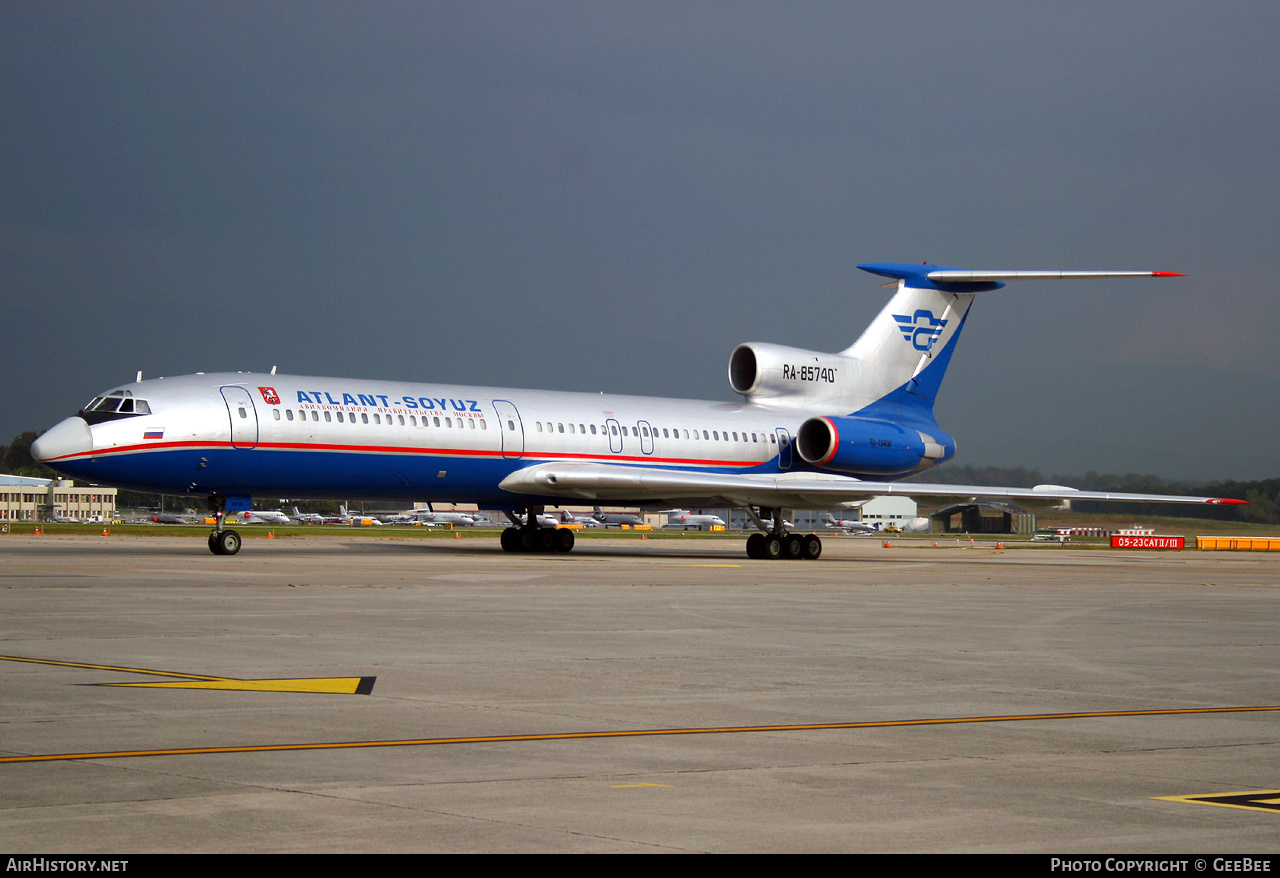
[[766, 371], [869, 446]]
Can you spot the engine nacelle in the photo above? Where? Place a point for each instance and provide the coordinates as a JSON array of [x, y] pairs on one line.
[[869, 446], [763, 371]]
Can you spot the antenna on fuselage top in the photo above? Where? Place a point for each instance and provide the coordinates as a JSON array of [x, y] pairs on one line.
[[139, 378], [273, 370]]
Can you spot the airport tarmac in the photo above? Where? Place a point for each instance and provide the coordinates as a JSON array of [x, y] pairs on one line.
[[635, 696]]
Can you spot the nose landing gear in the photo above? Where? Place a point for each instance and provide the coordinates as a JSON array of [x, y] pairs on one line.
[[222, 542]]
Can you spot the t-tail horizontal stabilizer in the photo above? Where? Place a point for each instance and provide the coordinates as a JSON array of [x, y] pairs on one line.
[[927, 276]]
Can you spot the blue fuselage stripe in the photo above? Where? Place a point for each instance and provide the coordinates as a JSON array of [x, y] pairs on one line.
[[304, 474]]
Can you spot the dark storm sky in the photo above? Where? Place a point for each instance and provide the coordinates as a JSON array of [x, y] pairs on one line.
[[610, 196]]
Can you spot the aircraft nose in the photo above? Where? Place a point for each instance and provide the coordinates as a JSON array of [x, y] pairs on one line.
[[63, 440]]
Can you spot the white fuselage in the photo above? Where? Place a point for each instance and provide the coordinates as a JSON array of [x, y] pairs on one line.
[[276, 435]]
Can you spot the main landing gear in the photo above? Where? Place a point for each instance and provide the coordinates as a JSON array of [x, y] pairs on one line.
[[776, 543], [529, 537], [222, 542]]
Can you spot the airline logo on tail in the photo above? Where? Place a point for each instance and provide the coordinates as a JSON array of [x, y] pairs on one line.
[[922, 330]]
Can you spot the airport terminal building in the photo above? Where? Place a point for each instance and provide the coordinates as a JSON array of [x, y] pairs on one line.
[[29, 499]]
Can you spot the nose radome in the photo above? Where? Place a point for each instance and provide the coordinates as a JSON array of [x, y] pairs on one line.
[[64, 439]]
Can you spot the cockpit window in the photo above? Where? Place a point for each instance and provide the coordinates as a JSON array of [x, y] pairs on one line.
[[113, 406]]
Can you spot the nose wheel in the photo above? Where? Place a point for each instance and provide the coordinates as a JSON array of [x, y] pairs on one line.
[[222, 542]]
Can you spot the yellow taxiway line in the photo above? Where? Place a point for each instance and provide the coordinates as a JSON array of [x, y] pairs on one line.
[[326, 685], [627, 733], [1251, 800]]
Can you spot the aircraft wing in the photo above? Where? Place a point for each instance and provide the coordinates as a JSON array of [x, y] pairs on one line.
[[608, 482]]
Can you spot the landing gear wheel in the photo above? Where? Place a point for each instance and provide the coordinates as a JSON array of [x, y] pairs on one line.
[[225, 542], [793, 546], [528, 537], [772, 548], [755, 546], [812, 548], [546, 539]]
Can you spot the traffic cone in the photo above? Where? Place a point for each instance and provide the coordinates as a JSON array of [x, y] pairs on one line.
[[888, 545], [271, 535]]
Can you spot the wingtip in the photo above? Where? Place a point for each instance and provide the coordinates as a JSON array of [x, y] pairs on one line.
[[1228, 501], [1167, 274]]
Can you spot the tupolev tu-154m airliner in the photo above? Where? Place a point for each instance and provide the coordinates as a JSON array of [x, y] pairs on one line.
[[812, 430]]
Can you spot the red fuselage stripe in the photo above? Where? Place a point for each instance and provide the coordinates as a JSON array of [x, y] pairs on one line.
[[398, 449]]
